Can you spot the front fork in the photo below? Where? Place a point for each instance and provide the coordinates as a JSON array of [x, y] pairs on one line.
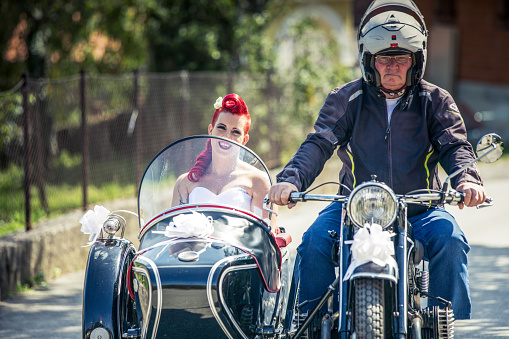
[[344, 259], [401, 252], [401, 249]]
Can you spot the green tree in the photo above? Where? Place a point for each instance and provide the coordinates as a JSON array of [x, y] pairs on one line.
[[309, 76], [202, 35], [59, 37]]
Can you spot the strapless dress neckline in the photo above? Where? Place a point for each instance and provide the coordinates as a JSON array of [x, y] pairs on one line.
[[236, 196]]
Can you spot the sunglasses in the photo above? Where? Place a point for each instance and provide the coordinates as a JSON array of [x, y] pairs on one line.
[[400, 59]]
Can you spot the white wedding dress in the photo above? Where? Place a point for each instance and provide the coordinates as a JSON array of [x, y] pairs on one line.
[[236, 196]]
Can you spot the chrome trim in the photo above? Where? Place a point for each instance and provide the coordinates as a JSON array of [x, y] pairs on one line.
[[209, 291], [188, 256], [159, 294], [342, 248], [220, 288], [380, 185], [147, 275], [115, 218]]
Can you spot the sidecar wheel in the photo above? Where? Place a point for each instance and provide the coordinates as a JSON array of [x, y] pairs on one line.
[[369, 308]]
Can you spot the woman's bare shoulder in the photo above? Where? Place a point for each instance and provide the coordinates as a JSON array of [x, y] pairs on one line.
[[259, 179], [183, 181], [254, 172]]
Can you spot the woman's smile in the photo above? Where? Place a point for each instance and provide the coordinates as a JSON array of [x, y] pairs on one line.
[[224, 145]]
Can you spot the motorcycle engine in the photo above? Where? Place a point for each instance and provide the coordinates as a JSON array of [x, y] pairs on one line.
[[437, 323]]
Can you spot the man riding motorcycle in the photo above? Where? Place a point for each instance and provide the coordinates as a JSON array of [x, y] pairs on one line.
[[393, 124]]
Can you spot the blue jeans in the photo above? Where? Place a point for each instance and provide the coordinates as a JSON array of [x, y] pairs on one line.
[[445, 245]]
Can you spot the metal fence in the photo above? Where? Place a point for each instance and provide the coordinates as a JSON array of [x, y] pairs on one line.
[[89, 131]]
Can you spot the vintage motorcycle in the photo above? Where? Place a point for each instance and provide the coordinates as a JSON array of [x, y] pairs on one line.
[[211, 269], [382, 284]]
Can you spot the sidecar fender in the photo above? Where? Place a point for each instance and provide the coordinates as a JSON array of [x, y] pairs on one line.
[[105, 297], [371, 270]]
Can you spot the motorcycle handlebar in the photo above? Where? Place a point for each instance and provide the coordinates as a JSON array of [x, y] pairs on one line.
[[303, 196], [451, 198]]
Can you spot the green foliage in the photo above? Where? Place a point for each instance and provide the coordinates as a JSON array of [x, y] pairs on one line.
[[33, 282], [206, 35], [58, 38], [61, 198], [11, 198], [63, 37], [20, 288], [308, 78], [11, 112], [67, 160]]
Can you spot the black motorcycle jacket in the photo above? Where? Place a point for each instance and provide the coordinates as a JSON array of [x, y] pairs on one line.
[[426, 128]]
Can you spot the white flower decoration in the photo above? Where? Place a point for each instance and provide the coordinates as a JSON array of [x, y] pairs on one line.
[[371, 244], [218, 103], [92, 222], [190, 225]]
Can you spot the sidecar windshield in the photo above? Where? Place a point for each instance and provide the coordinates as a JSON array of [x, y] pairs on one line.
[[202, 170]]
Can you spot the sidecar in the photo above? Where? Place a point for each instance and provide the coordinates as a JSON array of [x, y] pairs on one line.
[[209, 269]]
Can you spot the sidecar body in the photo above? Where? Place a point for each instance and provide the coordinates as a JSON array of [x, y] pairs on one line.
[[234, 281]]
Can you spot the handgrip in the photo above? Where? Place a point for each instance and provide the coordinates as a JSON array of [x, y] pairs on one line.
[[296, 197]]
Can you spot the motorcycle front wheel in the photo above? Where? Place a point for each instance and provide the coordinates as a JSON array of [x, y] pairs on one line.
[[369, 308]]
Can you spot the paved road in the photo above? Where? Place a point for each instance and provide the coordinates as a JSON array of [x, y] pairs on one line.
[[56, 312]]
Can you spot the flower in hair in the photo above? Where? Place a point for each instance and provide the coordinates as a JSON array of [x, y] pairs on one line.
[[219, 103]]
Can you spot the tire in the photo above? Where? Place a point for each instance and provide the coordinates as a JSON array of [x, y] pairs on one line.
[[369, 308]]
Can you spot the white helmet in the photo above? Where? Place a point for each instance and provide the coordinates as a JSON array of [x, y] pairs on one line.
[[391, 27]]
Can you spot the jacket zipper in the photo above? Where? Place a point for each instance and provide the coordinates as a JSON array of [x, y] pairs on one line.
[[390, 154], [388, 141]]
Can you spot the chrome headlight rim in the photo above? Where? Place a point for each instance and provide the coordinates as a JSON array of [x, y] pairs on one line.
[[381, 186], [113, 224]]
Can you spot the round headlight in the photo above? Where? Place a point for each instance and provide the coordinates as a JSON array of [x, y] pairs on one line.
[[372, 203], [111, 226], [100, 333]]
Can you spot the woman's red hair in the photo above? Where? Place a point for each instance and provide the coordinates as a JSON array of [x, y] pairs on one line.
[[232, 103]]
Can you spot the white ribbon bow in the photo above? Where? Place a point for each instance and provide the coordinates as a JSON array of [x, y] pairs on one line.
[[189, 225], [92, 222], [371, 244]]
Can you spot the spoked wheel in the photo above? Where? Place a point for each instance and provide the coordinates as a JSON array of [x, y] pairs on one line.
[[369, 308]]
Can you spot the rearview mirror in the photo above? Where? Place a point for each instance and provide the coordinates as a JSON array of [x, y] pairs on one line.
[[490, 148]]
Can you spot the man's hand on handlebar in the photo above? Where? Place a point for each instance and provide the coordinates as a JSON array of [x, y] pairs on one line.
[[280, 194], [474, 194]]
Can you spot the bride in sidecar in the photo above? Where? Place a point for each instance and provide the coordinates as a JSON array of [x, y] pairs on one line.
[[218, 174], [209, 262]]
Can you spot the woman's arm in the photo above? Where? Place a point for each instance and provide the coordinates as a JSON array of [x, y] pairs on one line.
[[180, 192], [261, 186]]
